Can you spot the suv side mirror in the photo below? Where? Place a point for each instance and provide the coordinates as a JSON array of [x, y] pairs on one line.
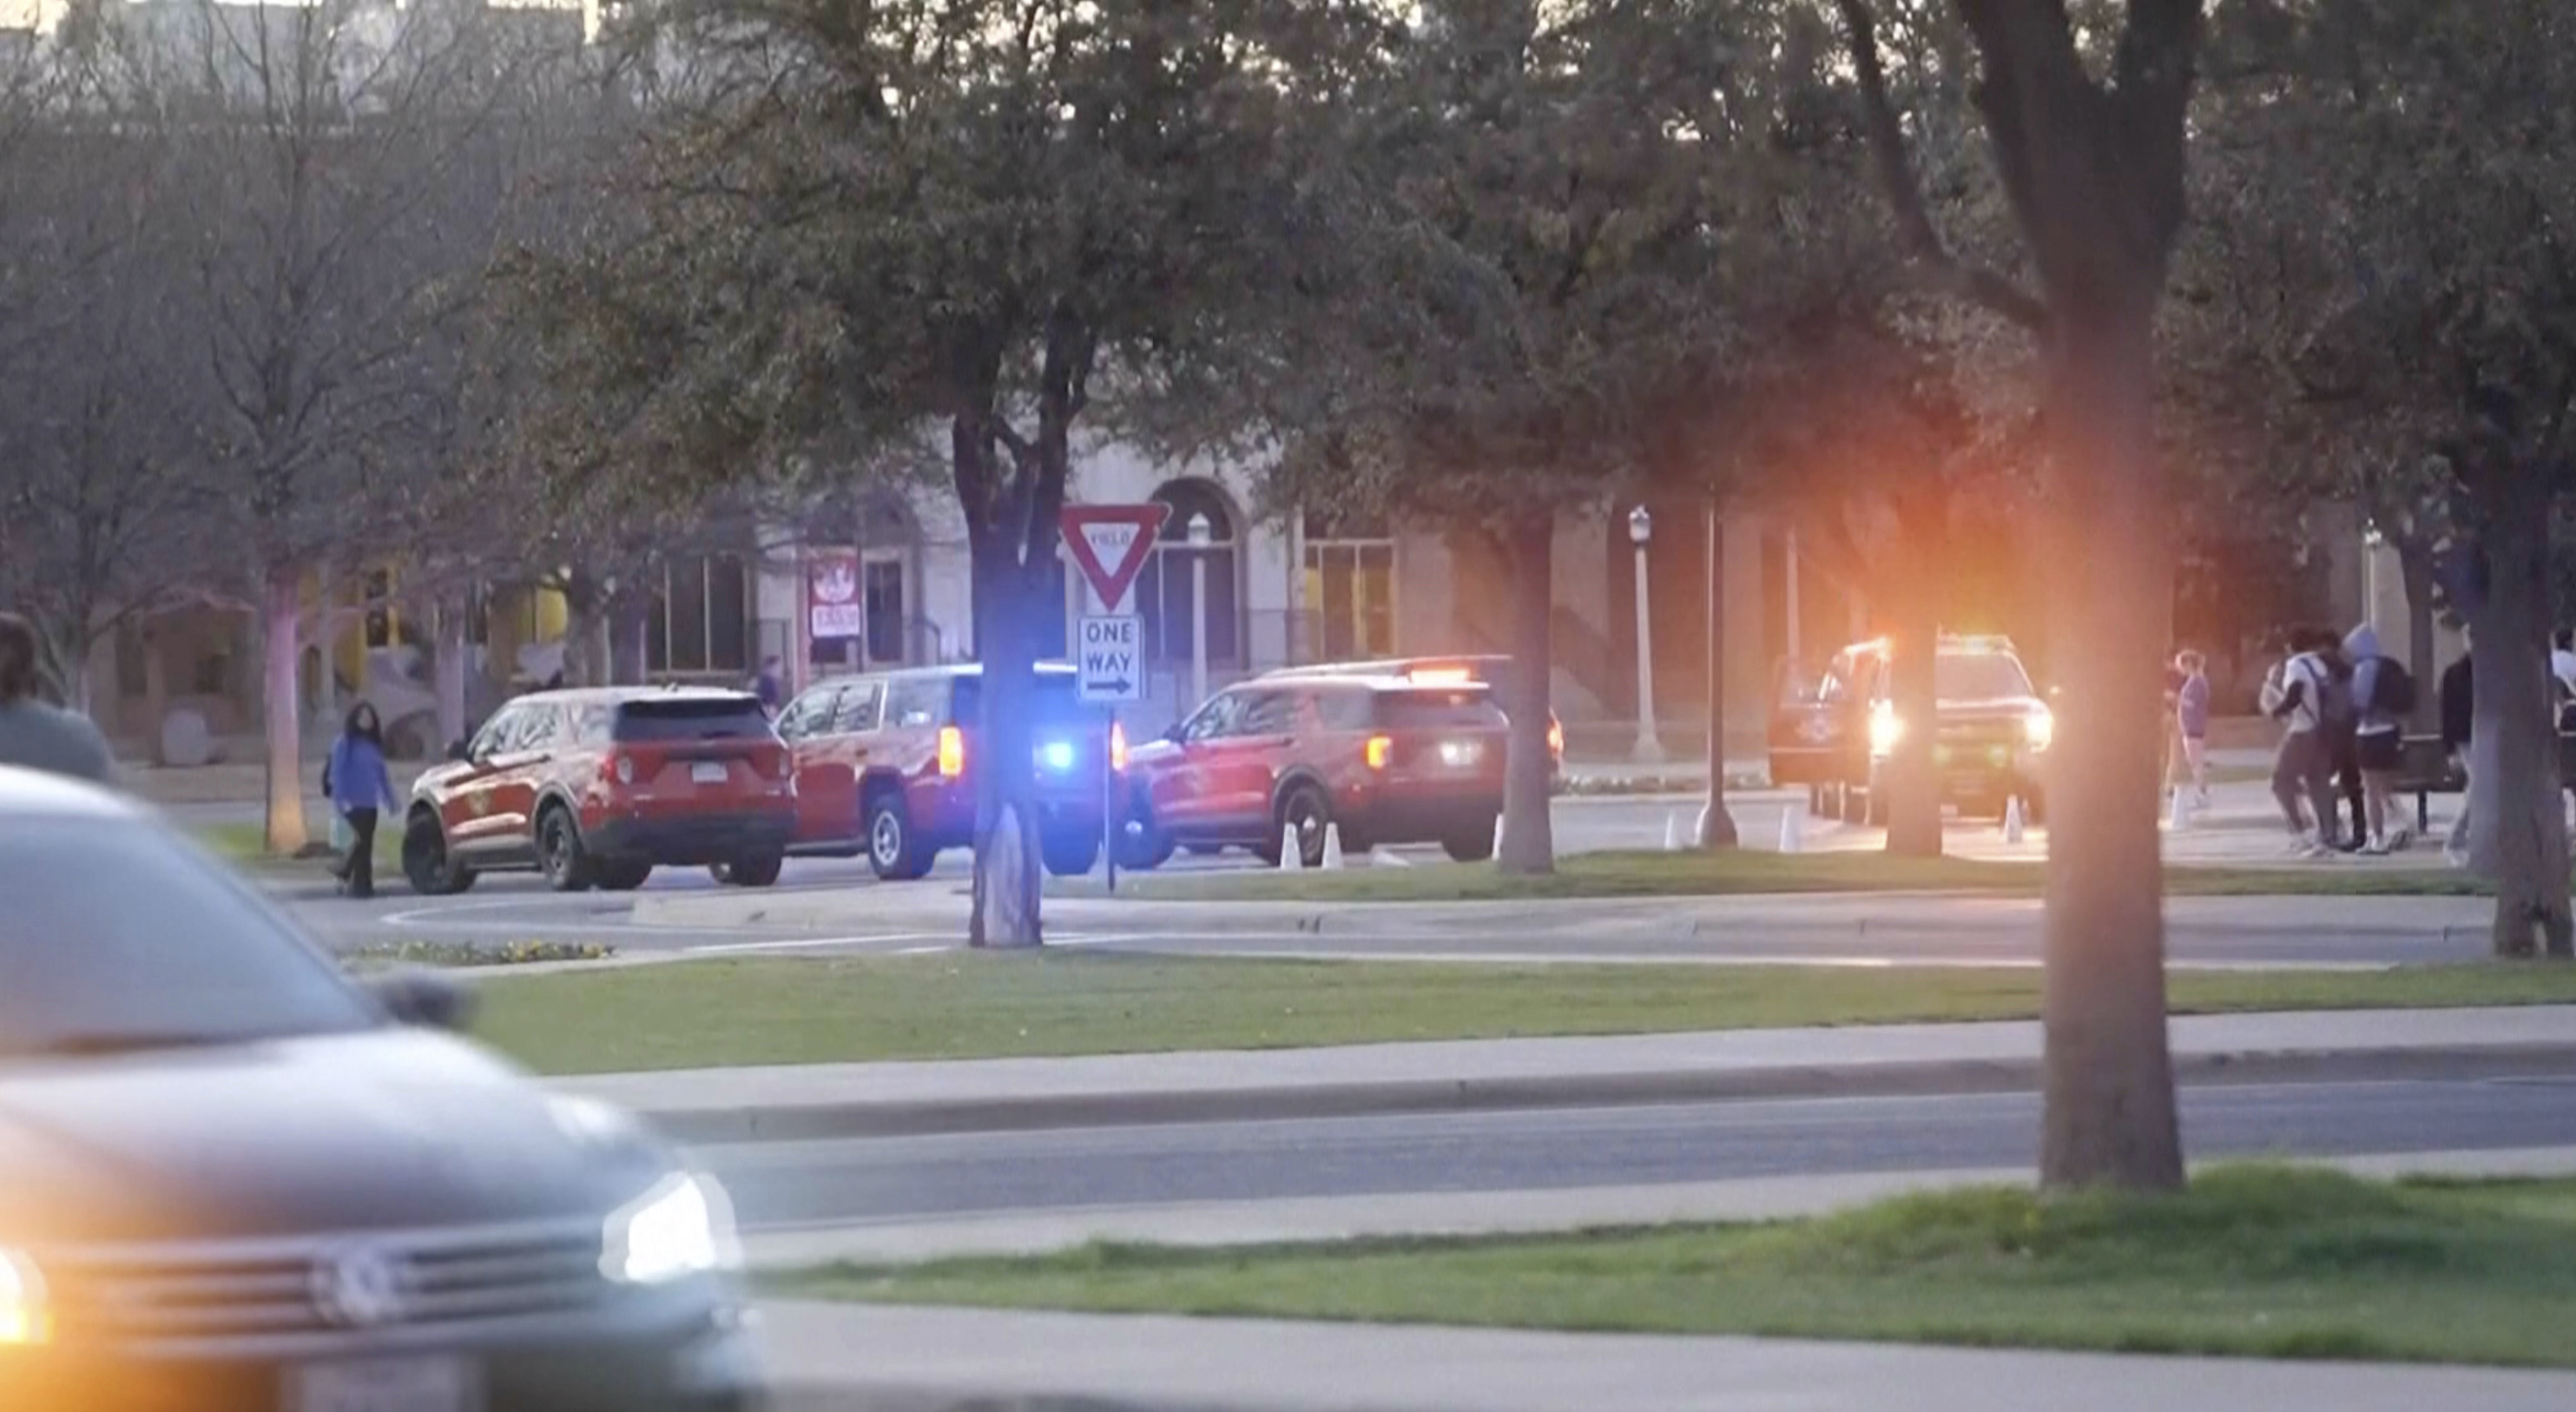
[[459, 752], [424, 999]]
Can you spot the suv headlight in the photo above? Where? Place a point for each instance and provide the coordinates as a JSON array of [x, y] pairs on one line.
[[26, 1314], [1884, 730], [2039, 728], [682, 1227]]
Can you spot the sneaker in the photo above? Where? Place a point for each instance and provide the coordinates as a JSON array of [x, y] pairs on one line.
[[2376, 848], [2311, 848]]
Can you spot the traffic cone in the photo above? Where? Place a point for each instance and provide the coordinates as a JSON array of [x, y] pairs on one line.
[[1292, 857], [1332, 848], [1672, 832], [1793, 827], [1384, 857], [2012, 819], [1498, 835], [2181, 811]]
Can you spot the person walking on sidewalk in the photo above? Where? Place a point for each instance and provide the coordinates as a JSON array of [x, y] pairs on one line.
[[2191, 719], [2303, 771], [2382, 695], [358, 783], [35, 735]]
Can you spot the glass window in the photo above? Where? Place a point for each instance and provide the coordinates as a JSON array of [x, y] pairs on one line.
[[1344, 710], [688, 625], [728, 615], [859, 705], [915, 702], [593, 727], [1443, 709], [1267, 713], [1215, 719], [810, 714], [882, 583], [497, 733], [1978, 676], [1167, 588], [117, 937], [692, 718], [541, 730], [1350, 598]]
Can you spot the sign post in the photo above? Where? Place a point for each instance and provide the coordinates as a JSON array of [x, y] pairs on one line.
[[1108, 543]]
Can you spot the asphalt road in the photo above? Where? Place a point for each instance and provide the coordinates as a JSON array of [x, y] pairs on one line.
[[781, 1186]]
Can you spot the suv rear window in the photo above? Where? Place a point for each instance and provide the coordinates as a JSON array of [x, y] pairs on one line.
[[691, 718], [1059, 700], [1438, 709]]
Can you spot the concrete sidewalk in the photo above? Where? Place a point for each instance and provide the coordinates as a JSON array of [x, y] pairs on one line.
[[893, 1359], [933, 908], [862, 1100]]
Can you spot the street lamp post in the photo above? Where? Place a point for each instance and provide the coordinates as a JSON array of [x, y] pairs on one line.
[[1201, 533], [1641, 528]]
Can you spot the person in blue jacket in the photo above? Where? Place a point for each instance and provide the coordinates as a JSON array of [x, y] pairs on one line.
[[356, 779]]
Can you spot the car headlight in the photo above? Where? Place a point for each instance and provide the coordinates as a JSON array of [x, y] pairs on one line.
[[26, 1314], [682, 1227], [2038, 729], [1884, 730]]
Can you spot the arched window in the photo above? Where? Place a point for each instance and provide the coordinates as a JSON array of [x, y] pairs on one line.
[[1165, 586]]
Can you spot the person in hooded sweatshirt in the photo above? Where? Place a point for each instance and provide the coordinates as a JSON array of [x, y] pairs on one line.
[[2303, 772], [358, 783], [2378, 737]]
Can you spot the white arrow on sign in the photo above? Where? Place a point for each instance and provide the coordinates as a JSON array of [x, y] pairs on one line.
[[1111, 656]]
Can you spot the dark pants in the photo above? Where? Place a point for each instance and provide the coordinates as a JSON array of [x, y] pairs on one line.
[[2347, 768], [358, 870]]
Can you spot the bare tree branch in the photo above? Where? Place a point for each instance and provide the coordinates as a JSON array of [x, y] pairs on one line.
[[1990, 289]]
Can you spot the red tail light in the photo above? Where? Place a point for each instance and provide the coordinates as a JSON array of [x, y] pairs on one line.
[[1555, 738], [619, 765], [1118, 746], [1381, 750], [952, 752]]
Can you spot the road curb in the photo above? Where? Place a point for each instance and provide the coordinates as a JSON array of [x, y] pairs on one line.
[[1147, 1107]]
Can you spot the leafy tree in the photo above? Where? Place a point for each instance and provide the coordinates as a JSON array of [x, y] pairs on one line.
[[983, 225], [2387, 267], [2089, 152], [1542, 214]]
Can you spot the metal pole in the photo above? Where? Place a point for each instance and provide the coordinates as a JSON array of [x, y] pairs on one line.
[[1789, 594], [1198, 626], [1716, 826], [1649, 749], [1109, 821]]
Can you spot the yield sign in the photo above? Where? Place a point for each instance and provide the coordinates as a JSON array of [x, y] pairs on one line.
[[1108, 543]]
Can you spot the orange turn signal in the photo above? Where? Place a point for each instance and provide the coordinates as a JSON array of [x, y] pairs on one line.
[[952, 752], [1118, 746], [1380, 750]]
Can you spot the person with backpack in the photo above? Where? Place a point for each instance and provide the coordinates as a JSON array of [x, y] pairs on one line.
[[2303, 771], [2383, 693]]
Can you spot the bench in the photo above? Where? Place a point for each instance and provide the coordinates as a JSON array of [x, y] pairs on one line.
[[2425, 769]]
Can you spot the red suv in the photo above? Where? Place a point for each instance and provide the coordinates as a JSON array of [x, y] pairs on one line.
[[885, 766], [599, 788], [1386, 758], [1490, 669]]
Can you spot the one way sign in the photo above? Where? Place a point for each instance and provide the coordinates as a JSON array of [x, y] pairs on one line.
[[1112, 651]]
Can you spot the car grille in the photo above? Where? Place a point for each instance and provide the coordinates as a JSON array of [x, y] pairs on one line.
[[271, 1289]]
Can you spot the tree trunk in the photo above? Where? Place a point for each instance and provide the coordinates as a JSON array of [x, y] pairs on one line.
[[1910, 774], [1529, 841], [2415, 571], [280, 604], [628, 621], [2520, 836], [2110, 1112], [1001, 756], [450, 673], [1716, 826]]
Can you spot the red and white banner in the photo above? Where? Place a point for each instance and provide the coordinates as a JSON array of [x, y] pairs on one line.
[[832, 606]]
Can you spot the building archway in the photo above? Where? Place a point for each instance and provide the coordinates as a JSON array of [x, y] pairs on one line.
[[1166, 587]]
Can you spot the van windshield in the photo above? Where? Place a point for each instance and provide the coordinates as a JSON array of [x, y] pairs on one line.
[[1979, 676]]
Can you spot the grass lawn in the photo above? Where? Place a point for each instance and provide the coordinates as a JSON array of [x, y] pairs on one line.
[[2257, 1262], [246, 845], [1697, 874], [973, 1006]]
